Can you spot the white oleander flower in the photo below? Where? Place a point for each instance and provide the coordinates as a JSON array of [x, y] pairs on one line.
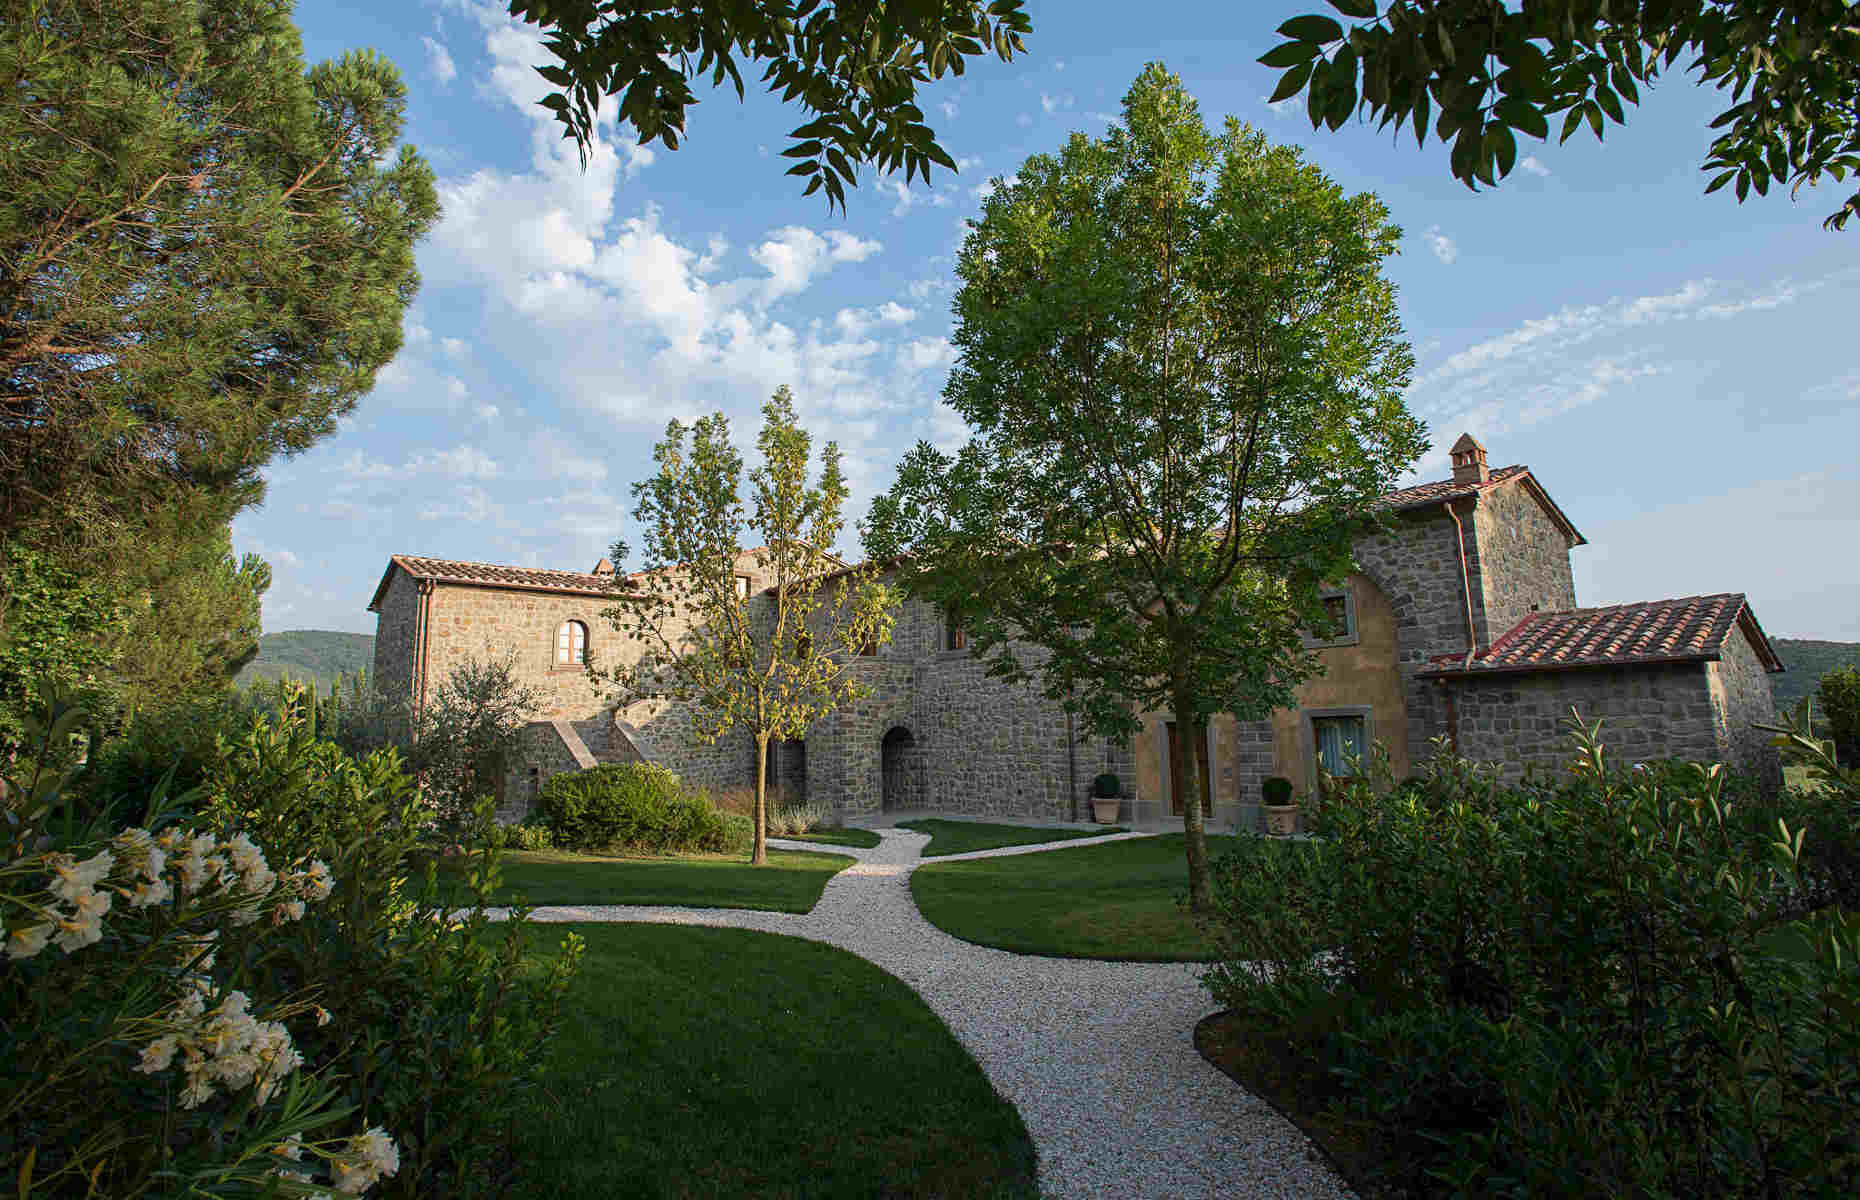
[[323, 1016], [370, 1156], [158, 1055], [150, 892], [317, 881], [27, 940], [291, 1148], [137, 850], [78, 878], [84, 927], [290, 910]]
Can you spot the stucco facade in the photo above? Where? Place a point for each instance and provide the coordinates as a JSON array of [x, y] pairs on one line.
[[1462, 622]]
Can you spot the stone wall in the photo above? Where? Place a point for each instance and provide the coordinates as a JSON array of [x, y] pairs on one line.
[[1522, 558], [1647, 712], [540, 754], [1417, 567], [395, 626], [1741, 689]]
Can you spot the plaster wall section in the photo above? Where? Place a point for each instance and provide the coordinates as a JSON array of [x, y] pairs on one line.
[[1366, 675], [1741, 689], [1416, 566], [1522, 556], [1647, 712]]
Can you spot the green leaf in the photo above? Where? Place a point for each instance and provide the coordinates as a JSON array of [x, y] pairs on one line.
[[1312, 27], [1420, 119], [1500, 142], [1289, 54], [1611, 104], [1521, 114], [1571, 123], [1594, 113], [1720, 181], [1624, 83], [1355, 8], [1291, 82]]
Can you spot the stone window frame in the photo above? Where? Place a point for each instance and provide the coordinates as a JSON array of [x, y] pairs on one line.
[[1352, 632], [1309, 717], [1214, 766], [556, 664]]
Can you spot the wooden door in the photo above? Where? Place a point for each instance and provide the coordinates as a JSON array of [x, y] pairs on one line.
[[1175, 772]]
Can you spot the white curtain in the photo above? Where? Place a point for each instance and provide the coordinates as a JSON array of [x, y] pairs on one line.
[[1340, 741]]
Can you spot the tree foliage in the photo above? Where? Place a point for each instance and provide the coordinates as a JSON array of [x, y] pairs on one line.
[[855, 65], [1839, 697], [204, 254], [1184, 370], [770, 667], [56, 636], [1487, 72]]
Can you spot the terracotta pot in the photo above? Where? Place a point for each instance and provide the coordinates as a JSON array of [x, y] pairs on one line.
[[1281, 819], [1104, 809]]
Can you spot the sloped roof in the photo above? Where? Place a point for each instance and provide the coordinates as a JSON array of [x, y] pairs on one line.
[[1690, 629], [1423, 495], [528, 579]]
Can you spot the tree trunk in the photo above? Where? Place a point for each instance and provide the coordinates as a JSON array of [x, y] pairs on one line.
[[1194, 824], [759, 856]]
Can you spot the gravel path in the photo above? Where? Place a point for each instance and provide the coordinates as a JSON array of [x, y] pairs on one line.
[[1099, 1057]]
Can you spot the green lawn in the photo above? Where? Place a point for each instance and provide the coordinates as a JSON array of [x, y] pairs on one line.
[[865, 839], [791, 882], [1115, 901], [960, 837], [721, 1062]]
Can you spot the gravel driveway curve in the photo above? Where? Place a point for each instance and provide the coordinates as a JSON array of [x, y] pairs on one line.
[[1099, 1057]]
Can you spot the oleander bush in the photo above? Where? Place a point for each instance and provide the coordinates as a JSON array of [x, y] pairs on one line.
[[250, 976], [1614, 982], [629, 806]]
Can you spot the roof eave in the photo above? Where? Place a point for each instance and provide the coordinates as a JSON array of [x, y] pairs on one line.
[[1447, 672]]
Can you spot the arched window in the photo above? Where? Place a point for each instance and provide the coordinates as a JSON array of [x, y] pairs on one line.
[[571, 644]]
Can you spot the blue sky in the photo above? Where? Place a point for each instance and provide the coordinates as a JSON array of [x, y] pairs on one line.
[[1680, 371]]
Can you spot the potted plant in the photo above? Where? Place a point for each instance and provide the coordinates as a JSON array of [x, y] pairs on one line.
[[1281, 809], [1104, 798]]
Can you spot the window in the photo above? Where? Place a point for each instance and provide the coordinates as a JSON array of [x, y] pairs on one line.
[[571, 644], [804, 647], [1339, 620], [742, 587], [954, 637], [1342, 744]]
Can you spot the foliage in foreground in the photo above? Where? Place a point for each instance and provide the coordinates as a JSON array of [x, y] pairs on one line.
[[297, 1001], [1792, 68], [856, 64], [1602, 985]]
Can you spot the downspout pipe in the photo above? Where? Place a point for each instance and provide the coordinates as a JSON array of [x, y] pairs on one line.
[[1472, 638], [424, 635]]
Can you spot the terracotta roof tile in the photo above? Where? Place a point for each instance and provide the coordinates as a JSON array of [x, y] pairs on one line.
[[1685, 630], [1441, 490], [534, 579]]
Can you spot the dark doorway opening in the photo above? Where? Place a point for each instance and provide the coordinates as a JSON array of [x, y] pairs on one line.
[[896, 760]]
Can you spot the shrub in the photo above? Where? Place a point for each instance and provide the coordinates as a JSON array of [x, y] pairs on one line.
[[1107, 786], [787, 820], [1838, 694], [531, 834], [739, 833], [635, 806], [440, 1019], [1276, 790], [149, 1050], [1584, 984], [182, 738]]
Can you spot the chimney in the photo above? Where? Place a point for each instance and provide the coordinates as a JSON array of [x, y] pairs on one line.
[[1469, 461], [602, 567]]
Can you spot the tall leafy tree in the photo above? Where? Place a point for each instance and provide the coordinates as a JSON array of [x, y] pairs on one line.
[[1487, 72], [855, 65], [205, 251], [1184, 370], [768, 665]]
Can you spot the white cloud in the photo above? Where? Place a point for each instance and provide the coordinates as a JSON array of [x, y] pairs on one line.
[[282, 558], [1441, 245], [1053, 104], [794, 254], [856, 322], [924, 354], [470, 504], [1534, 165], [908, 197], [1282, 108], [949, 110], [462, 462], [439, 62], [1059, 64], [453, 347], [986, 187], [456, 391], [487, 412]]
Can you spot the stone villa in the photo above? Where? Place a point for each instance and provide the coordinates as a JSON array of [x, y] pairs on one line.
[[1462, 622]]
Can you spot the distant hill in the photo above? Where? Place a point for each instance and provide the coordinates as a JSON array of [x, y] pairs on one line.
[[1806, 662], [310, 654]]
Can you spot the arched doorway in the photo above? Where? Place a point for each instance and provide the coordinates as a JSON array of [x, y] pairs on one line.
[[897, 758]]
